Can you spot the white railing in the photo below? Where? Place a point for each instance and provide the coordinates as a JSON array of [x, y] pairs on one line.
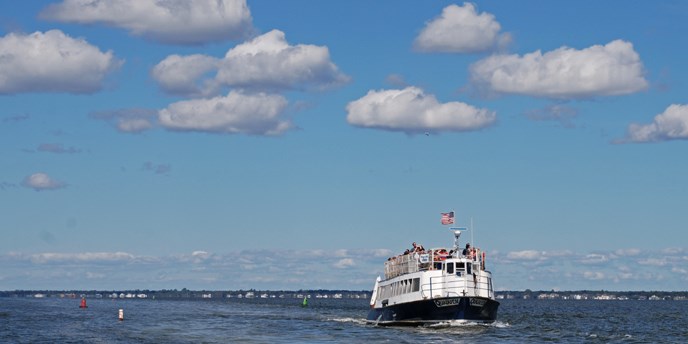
[[400, 265], [445, 286], [422, 261]]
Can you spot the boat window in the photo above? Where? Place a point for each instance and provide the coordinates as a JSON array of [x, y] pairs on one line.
[[460, 268], [450, 268], [416, 284], [469, 268]]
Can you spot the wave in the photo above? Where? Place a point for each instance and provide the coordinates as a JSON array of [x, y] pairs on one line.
[[468, 323], [358, 321]]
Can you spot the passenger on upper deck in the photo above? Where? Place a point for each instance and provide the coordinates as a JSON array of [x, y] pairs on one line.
[[467, 250]]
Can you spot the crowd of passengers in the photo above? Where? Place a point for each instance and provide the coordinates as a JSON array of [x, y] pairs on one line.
[[438, 254]]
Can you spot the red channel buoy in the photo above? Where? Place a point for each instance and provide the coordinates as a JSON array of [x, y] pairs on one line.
[[83, 303]]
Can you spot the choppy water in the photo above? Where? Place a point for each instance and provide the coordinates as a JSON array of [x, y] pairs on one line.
[[331, 321]]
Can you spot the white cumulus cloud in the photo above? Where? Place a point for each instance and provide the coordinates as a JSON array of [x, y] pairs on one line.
[[526, 255], [238, 112], [661, 261], [681, 271], [81, 257], [170, 21], [629, 252], [180, 74], [266, 63], [344, 263], [134, 120], [593, 275], [672, 251], [52, 62], [41, 181], [410, 110], [564, 73], [197, 257], [594, 258], [460, 29], [672, 124], [200, 254]]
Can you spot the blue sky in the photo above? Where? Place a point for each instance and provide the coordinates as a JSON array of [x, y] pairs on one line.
[[298, 144]]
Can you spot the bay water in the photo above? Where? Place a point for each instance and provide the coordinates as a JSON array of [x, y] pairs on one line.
[[55, 320]]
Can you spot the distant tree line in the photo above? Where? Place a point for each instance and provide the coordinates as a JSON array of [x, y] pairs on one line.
[[185, 293]]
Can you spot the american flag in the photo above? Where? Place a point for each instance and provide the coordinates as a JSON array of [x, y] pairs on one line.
[[448, 218]]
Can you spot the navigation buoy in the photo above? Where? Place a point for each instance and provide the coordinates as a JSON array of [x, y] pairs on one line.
[[83, 303], [305, 302], [121, 315]]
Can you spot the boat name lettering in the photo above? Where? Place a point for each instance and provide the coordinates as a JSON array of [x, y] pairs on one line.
[[446, 302], [477, 302]]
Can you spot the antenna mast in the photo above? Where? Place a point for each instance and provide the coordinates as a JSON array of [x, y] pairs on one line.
[[472, 242]]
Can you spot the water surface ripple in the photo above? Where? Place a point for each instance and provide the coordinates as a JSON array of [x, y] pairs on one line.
[[53, 320]]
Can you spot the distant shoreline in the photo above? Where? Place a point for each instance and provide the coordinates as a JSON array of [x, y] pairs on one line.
[[186, 294]]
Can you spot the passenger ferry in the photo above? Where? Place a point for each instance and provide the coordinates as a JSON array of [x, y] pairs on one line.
[[424, 287]]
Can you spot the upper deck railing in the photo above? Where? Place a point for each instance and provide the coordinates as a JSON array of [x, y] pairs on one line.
[[427, 260]]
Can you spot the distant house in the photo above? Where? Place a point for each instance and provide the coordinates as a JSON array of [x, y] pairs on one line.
[[550, 296], [605, 297]]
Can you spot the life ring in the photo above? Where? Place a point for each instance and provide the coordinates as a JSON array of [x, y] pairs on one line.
[[373, 297]]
